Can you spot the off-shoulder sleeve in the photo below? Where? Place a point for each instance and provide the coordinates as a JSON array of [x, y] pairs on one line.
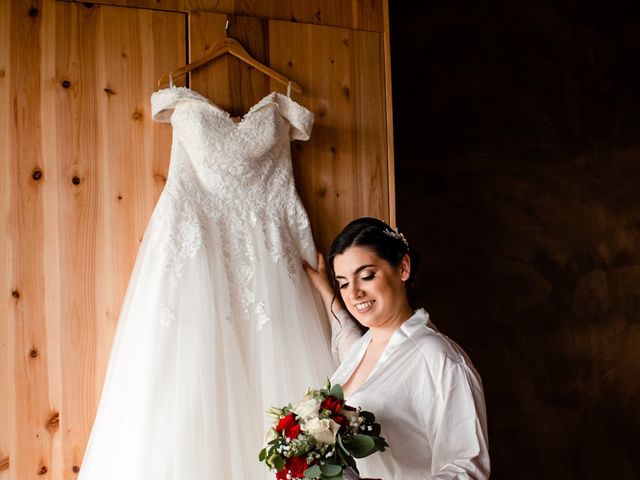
[[164, 102], [299, 117]]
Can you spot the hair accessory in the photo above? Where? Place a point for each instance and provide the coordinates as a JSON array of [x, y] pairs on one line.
[[397, 235]]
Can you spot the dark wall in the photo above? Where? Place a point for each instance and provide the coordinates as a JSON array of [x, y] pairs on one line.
[[517, 139]]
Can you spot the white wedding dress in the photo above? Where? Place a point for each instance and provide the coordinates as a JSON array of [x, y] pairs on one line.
[[219, 321]]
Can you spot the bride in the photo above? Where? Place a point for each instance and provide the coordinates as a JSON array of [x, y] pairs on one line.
[[421, 385]]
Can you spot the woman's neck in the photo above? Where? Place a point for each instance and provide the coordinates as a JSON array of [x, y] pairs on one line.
[[380, 335]]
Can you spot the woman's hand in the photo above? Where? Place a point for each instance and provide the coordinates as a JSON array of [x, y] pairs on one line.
[[319, 279]]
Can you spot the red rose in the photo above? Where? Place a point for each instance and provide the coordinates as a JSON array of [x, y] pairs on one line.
[[340, 419], [331, 403], [297, 466], [292, 432], [286, 422], [289, 425], [282, 474]]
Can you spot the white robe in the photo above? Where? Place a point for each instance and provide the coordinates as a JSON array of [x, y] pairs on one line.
[[428, 399]]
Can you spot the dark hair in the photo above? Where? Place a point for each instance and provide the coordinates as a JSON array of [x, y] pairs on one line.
[[381, 239]]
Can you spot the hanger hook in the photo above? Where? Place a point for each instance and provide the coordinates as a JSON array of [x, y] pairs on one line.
[[226, 26]]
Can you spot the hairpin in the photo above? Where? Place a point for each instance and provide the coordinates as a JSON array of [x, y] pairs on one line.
[[397, 235]]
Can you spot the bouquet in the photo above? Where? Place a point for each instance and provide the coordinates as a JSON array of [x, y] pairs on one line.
[[319, 436]]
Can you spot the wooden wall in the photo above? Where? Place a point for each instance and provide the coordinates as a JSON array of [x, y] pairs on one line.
[[82, 165], [356, 14]]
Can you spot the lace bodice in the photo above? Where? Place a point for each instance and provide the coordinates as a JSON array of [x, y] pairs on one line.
[[236, 176]]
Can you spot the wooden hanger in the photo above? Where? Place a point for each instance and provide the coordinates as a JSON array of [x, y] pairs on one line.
[[233, 47]]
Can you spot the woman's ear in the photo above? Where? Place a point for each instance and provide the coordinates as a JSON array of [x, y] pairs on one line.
[[405, 267]]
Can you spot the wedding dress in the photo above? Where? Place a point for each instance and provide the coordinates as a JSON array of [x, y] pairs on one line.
[[219, 321]]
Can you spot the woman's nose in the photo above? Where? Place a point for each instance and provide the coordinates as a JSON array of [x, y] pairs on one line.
[[356, 292]]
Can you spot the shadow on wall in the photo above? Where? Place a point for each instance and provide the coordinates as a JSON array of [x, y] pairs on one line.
[[517, 140]]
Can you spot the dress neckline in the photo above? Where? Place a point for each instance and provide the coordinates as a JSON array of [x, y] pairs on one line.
[[235, 123]]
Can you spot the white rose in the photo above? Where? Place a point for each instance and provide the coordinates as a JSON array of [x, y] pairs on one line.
[[271, 435], [323, 431], [307, 408]]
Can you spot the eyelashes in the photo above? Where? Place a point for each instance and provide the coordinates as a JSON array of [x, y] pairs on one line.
[[366, 278]]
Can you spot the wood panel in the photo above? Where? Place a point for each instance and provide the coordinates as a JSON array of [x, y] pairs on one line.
[[227, 81], [341, 173], [8, 444], [29, 191], [357, 14], [84, 169]]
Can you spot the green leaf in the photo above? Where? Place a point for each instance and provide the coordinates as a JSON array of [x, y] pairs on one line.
[[336, 391], [277, 462], [263, 454], [312, 472], [335, 477], [360, 446], [330, 469]]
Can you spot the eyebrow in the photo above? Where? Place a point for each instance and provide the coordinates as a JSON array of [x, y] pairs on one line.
[[358, 270]]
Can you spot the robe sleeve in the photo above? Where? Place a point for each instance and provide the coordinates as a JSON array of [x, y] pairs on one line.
[[344, 333], [460, 443]]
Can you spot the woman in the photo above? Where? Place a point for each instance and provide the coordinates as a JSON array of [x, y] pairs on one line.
[[421, 386]]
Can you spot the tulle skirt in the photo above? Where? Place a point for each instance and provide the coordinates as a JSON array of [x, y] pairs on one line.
[[187, 386]]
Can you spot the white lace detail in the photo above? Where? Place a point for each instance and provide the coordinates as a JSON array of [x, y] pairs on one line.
[[237, 176], [166, 316]]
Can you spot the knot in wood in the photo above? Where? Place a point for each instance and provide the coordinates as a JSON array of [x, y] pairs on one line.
[[53, 422]]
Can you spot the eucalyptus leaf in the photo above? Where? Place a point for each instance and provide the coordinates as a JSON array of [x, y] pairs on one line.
[[336, 391], [360, 446], [335, 477], [330, 469], [312, 472], [263, 454]]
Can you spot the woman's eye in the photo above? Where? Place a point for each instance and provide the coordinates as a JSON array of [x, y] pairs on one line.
[[369, 276], [343, 286]]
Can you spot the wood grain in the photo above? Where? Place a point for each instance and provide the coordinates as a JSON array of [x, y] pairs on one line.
[[29, 192], [341, 173], [356, 14], [7, 292], [391, 182]]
